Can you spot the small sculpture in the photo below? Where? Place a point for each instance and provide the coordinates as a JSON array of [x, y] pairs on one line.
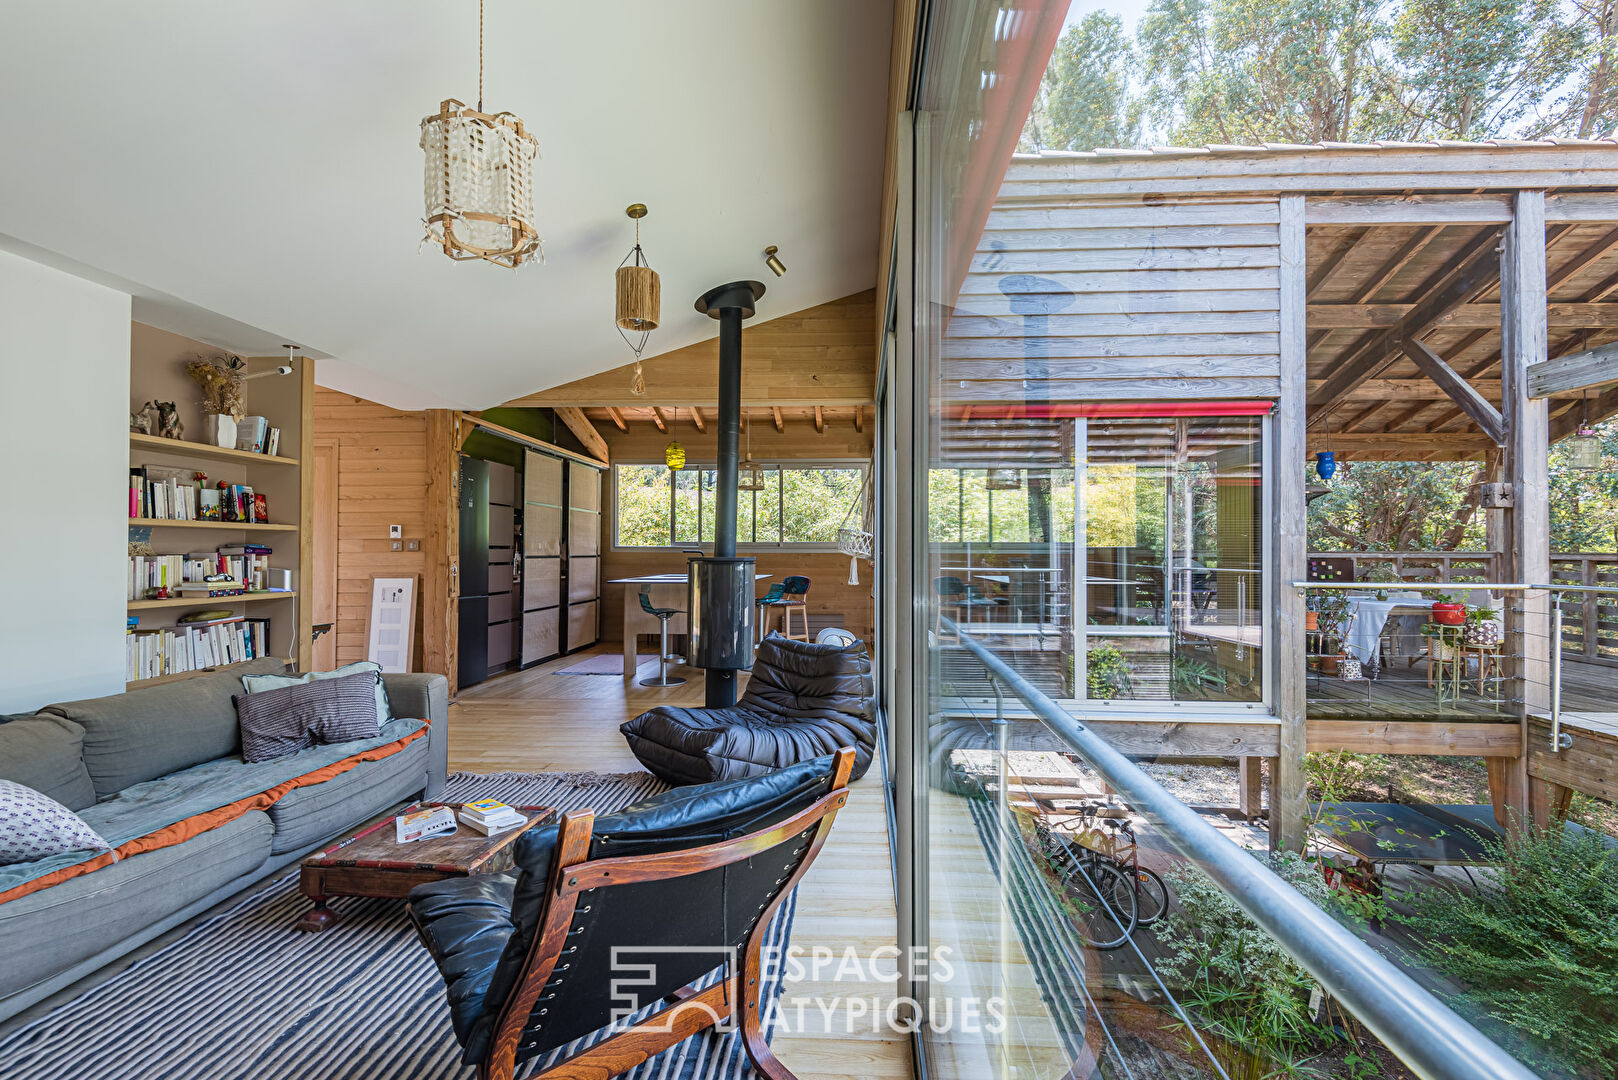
[[168, 419], [141, 422]]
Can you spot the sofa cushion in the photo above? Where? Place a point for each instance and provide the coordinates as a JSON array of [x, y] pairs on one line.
[[152, 731], [305, 816], [465, 924], [83, 916], [45, 753], [35, 826], [256, 684], [283, 721]]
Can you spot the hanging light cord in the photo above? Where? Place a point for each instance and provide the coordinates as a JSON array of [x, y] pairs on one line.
[[480, 55]]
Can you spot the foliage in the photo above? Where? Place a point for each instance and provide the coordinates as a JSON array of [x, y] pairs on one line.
[[1584, 502], [1399, 506], [798, 505], [1191, 679], [1331, 609], [1107, 672], [1537, 947], [1236, 980], [1304, 71], [962, 509]]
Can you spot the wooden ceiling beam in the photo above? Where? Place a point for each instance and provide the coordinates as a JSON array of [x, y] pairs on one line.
[[1472, 403], [584, 431], [820, 420], [859, 418], [1571, 316], [659, 420], [1402, 446], [780, 424], [1600, 407], [617, 417], [1404, 390], [696, 418], [1574, 372], [1583, 259]]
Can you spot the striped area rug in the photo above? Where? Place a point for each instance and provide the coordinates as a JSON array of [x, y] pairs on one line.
[[242, 996]]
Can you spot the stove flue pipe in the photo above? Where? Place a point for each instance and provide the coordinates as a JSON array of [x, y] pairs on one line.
[[721, 597]]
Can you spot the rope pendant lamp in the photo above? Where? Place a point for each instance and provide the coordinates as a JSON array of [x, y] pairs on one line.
[[640, 295], [751, 475], [478, 181]]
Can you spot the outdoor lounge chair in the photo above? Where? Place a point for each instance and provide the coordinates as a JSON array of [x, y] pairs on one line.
[[655, 897]]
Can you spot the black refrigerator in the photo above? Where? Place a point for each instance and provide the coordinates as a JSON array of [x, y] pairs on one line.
[[474, 606]]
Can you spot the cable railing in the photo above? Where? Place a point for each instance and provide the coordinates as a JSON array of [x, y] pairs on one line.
[[1427, 1035]]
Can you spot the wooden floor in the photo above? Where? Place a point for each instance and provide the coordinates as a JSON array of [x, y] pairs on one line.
[[539, 720], [1402, 693]]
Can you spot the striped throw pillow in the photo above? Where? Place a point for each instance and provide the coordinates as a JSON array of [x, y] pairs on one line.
[[275, 723]]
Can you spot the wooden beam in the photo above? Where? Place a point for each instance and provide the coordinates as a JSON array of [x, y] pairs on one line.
[[1289, 804], [1472, 269], [1324, 271], [1575, 372], [1599, 408], [584, 431], [1472, 403], [469, 422], [1405, 390], [1467, 316], [1584, 258], [696, 418], [657, 418], [775, 411], [1401, 445], [617, 417], [1595, 206], [820, 420], [1410, 210], [1416, 737], [859, 418], [1524, 342], [441, 546]]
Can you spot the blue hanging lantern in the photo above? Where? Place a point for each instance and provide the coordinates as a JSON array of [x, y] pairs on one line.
[[1325, 464]]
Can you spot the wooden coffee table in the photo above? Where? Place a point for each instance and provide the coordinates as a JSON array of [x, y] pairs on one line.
[[372, 863]]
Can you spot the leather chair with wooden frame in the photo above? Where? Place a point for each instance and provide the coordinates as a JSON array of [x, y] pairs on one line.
[[678, 882]]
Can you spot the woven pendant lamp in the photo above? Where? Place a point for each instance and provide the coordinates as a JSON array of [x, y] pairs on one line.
[[478, 181], [639, 296]]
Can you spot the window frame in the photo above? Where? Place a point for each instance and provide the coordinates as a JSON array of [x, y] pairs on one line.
[[861, 463]]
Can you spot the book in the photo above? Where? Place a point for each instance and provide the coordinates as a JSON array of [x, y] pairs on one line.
[[497, 825], [424, 823], [273, 445], [485, 808], [251, 431]]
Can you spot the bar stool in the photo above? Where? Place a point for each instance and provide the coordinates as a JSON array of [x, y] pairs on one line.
[[663, 616], [794, 596]]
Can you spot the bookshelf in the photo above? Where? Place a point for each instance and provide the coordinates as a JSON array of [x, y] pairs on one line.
[[157, 373]]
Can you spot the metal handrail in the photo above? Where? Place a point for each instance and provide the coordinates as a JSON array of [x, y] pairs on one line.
[[1425, 1033]]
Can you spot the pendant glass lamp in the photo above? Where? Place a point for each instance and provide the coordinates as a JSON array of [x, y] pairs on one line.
[[639, 298], [1003, 480], [1584, 448], [750, 477], [478, 181], [674, 453]]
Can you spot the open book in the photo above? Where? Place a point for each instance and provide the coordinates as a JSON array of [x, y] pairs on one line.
[[421, 824]]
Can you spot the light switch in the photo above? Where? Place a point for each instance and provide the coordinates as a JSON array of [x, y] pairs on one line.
[[397, 545], [412, 545]]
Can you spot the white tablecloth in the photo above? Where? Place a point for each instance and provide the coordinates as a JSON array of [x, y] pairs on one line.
[[1371, 615]]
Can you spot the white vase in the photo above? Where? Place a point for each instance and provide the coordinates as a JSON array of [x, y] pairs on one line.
[[221, 430]]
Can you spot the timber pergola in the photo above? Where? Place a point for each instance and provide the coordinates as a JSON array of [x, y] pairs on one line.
[[1409, 302]]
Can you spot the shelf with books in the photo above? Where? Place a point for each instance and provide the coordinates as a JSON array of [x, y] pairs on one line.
[[181, 448], [209, 601], [180, 676], [174, 523]]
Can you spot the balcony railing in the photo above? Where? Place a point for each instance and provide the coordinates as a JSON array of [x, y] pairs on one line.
[[1422, 1031]]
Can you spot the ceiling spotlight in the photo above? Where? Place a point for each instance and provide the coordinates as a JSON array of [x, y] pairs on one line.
[[773, 262]]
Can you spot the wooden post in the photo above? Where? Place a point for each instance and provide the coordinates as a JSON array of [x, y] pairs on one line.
[[1527, 557], [1250, 786], [442, 546], [305, 374], [1289, 539]]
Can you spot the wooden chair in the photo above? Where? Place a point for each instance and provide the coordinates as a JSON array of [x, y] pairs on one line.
[[794, 596], [651, 881]]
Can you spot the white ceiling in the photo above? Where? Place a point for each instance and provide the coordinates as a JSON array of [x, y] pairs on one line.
[[250, 171]]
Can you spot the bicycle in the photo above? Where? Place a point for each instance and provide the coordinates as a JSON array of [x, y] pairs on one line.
[[1104, 854]]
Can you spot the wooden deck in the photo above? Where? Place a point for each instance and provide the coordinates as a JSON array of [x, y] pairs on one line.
[[539, 720], [1402, 693]]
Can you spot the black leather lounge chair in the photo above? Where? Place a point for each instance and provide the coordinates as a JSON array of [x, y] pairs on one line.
[[804, 699], [687, 881]]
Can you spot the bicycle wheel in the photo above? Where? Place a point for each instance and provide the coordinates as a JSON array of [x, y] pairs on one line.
[[1104, 906], [1150, 894]]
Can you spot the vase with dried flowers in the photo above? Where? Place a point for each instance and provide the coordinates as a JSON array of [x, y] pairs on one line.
[[221, 378]]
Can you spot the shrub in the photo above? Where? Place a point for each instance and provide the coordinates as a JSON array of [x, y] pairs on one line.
[[1235, 979], [1107, 672], [1535, 948]]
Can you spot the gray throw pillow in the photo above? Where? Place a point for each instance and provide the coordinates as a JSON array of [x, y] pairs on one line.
[[256, 684], [278, 722]]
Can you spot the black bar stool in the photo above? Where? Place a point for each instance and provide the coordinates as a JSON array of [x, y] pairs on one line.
[[663, 616]]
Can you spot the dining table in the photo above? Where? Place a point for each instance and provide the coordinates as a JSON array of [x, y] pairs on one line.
[[665, 591]]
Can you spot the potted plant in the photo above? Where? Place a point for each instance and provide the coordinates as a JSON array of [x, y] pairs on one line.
[[1483, 630], [1331, 619], [221, 379], [1383, 573], [1447, 611]]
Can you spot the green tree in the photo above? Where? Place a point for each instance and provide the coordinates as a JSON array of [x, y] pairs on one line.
[[1399, 506], [1084, 100], [1584, 502]]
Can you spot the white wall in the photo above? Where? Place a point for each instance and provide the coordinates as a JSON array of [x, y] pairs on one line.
[[64, 454]]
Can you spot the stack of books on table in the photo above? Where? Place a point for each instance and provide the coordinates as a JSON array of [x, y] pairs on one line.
[[490, 816]]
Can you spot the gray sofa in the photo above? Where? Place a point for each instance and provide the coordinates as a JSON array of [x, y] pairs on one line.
[[135, 762]]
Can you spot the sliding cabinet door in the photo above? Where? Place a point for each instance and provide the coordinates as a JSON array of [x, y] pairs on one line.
[[583, 555], [542, 557]]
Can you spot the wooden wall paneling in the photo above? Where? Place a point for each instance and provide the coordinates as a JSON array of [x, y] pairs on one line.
[[321, 590], [304, 373], [441, 546]]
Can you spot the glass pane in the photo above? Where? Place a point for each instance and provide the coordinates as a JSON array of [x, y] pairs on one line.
[[685, 506], [709, 478], [943, 505], [816, 502], [768, 513], [643, 505]]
